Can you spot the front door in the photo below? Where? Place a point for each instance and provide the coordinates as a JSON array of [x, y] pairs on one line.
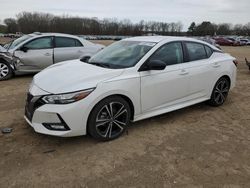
[[38, 54], [162, 88]]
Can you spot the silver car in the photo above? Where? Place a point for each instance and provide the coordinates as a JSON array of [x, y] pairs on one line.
[[34, 52]]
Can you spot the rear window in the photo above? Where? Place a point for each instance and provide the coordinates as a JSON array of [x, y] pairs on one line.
[[196, 51], [64, 42]]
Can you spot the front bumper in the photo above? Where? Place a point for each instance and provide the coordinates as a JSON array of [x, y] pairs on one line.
[[40, 116]]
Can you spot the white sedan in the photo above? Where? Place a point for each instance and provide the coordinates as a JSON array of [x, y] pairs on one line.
[[130, 80]]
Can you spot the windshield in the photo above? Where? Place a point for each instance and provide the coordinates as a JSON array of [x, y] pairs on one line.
[[122, 54], [16, 42]]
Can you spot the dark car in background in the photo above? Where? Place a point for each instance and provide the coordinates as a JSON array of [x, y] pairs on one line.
[[224, 41]]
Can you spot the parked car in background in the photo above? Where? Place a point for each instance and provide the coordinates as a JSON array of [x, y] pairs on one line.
[[210, 41], [130, 80], [245, 41], [224, 41], [235, 41], [34, 52]]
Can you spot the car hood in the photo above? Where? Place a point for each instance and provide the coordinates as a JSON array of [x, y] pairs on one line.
[[72, 76]]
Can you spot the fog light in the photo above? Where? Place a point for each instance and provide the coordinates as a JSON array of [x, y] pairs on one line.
[[62, 126]]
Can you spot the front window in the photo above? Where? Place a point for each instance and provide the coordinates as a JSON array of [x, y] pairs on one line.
[[170, 54], [40, 43], [122, 54], [16, 42]]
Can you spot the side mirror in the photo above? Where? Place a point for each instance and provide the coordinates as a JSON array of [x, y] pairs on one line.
[[24, 49], [85, 59], [153, 65]]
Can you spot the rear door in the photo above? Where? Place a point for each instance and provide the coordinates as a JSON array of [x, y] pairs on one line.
[[67, 48], [38, 54], [201, 69]]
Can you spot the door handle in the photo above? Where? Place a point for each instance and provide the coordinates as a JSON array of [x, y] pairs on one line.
[[183, 72], [47, 54], [215, 65]]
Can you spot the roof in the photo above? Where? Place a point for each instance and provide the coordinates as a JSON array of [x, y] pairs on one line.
[[36, 34], [158, 39]]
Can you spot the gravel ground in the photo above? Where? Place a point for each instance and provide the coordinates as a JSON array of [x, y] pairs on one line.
[[199, 146]]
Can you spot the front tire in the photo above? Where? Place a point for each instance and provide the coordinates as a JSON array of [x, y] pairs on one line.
[[5, 71], [220, 92], [109, 118]]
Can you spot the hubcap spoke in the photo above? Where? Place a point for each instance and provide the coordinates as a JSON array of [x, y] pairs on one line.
[[120, 113], [110, 130], [119, 122], [107, 131], [106, 107], [4, 70], [102, 123], [217, 98], [115, 122]]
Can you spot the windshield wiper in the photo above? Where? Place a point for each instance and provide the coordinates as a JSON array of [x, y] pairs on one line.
[[100, 64]]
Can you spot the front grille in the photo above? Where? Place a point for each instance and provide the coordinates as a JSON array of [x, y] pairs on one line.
[[32, 103]]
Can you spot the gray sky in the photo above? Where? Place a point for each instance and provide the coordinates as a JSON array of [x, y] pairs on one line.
[[186, 11]]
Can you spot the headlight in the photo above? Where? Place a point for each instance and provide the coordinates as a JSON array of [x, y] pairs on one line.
[[67, 97]]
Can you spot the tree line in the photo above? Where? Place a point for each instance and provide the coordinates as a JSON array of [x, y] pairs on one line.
[[28, 22], [211, 29]]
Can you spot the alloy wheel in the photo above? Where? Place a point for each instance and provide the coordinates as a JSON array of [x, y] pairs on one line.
[[111, 120], [4, 70], [221, 91]]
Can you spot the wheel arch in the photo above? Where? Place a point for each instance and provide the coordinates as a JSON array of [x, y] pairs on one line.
[[125, 97], [228, 78]]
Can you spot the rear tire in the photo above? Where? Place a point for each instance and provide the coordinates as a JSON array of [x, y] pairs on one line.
[[220, 92], [6, 71], [109, 118]]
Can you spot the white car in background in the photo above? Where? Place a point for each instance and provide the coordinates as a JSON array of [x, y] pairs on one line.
[[130, 80], [34, 52]]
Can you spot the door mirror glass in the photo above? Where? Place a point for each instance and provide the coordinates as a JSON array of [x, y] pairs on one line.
[[24, 48], [156, 65]]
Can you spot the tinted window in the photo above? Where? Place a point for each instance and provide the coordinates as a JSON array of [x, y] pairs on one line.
[[209, 51], [64, 42], [40, 43], [170, 53], [196, 51]]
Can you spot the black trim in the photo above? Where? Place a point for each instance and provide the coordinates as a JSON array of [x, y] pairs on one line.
[[48, 125], [32, 103], [185, 52]]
